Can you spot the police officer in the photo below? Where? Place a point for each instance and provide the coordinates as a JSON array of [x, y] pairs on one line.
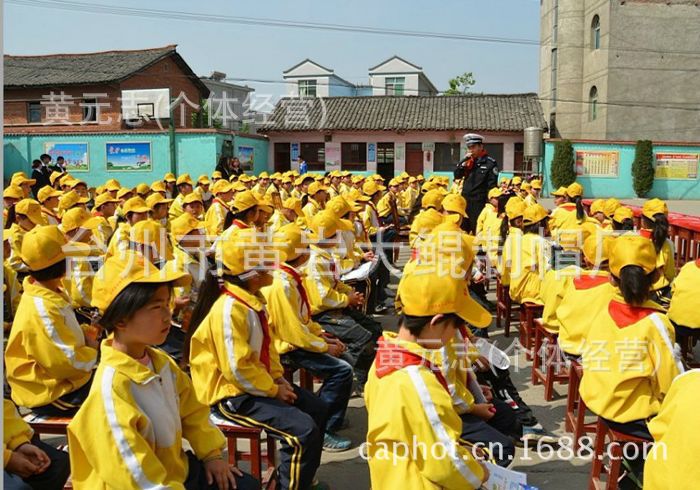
[[480, 174]]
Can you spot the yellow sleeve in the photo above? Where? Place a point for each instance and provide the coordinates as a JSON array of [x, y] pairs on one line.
[[206, 439], [14, 259], [15, 430], [367, 221], [176, 208], [105, 444], [662, 354], [214, 220], [79, 276], [323, 292], [481, 221]]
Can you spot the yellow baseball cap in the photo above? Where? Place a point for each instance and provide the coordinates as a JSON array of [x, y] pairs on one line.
[[135, 205], [598, 206], [325, 224], [290, 240], [47, 192], [113, 185], [632, 250], [596, 248], [561, 192], [71, 199], [169, 177], [203, 179], [316, 187], [653, 207], [124, 193], [516, 180], [54, 176], [193, 197], [394, 182], [610, 207], [455, 203], [120, 271], [357, 178], [184, 179], [221, 187], [73, 219], [151, 233], [13, 192], [338, 206], [247, 251], [20, 178], [158, 186], [142, 189], [371, 187], [42, 247], [216, 175], [264, 202], [155, 199], [245, 200], [574, 190], [105, 198], [295, 204], [264, 175], [515, 208], [534, 214], [185, 224], [622, 213], [32, 210], [536, 184], [495, 193]]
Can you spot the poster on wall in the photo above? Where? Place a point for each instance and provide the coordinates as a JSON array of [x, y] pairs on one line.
[[371, 152], [677, 165], [76, 155], [246, 155], [597, 163], [294, 152], [129, 156], [332, 156]]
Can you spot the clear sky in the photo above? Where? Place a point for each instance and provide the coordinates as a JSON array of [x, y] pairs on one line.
[[263, 53]]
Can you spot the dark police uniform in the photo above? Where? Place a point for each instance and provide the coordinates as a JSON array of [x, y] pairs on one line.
[[482, 178]]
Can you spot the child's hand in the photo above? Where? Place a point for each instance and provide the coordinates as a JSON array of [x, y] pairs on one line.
[[36, 456], [484, 411], [219, 471], [21, 465], [355, 299], [335, 347], [488, 394], [286, 394]]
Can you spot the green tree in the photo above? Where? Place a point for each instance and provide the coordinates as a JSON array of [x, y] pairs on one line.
[[643, 168], [461, 84], [200, 118], [563, 171]]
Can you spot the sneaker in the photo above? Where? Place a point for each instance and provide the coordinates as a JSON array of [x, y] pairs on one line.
[[380, 310], [537, 433], [333, 443]]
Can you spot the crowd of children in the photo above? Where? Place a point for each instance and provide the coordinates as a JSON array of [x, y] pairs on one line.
[[146, 314]]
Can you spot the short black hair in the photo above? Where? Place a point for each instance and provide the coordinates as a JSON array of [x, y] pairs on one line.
[[130, 300], [416, 324], [635, 284], [59, 158], [54, 271], [44, 155]]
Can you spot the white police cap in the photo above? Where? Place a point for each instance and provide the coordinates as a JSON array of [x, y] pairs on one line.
[[473, 139]]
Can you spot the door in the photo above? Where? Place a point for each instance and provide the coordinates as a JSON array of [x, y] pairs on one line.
[[282, 157], [414, 158], [385, 160]]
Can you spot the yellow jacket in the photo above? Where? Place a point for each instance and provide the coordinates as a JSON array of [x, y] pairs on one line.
[[409, 406], [16, 233], [78, 279], [176, 208], [290, 313], [685, 302], [277, 221], [629, 361], [214, 218], [423, 224], [509, 254], [128, 433], [46, 355], [487, 215], [184, 262], [583, 298], [230, 348], [384, 206], [312, 207], [528, 268], [15, 431], [14, 288], [455, 360], [370, 219], [566, 229], [673, 462], [554, 287], [326, 291]]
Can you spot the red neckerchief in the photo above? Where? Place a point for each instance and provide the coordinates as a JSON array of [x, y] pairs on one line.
[[300, 289], [588, 282], [697, 263], [569, 206], [625, 315], [398, 358], [645, 233], [265, 348], [239, 224]]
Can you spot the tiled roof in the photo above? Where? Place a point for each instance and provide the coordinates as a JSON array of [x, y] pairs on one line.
[[55, 70], [512, 112]]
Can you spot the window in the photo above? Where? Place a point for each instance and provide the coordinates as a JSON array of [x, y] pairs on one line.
[[354, 156], [315, 156], [89, 110], [553, 80], [446, 157], [385, 154], [593, 103], [395, 85], [595, 32], [34, 112], [307, 88], [282, 157]]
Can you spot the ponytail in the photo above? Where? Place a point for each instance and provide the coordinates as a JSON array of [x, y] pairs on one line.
[[228, 220], [634, 284], [11, 216], [503, 234], [660, 233], [580, 212]]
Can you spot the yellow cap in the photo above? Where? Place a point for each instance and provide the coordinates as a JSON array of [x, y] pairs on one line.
[[193, 197], [515, 208], [516, 180], [536, 184], [216, 175], [597, 206], [13, 192], [100, 189], [494, 193], [370, 187], [653, 207], [632, 250], [287, 179], [534, 214], [357, 178], [316, 187], [264, 175], [622, 213], [245, 200], [124, 193], [596, 248], [47, 192], [203, 179], [42, 247], [104, 198], [335, 173], [455, 203], [54, 176], [248, 250], [394, 182], [65, 179], [221, 187], [357, 196], [525, 186], [135, 205], [339, 206], [158, 186], [325, 224], [264, 202], [142, 189], [610, 207], [120, 271], [169, 177], [154, 199], [113, 185], [290, 240], [574, 190], [151, 233], [184, 179], [185, 224], [20, 178], [420, 177], [561, 192], [71, 199], [74, 219], [32, 210]]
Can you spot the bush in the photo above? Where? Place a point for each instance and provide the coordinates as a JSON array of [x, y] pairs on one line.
[[643, 168], [563, 171]]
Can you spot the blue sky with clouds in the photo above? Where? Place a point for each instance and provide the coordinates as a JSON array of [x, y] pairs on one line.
[[263, 53]]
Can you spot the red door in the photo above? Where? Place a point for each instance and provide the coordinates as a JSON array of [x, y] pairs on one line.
[[414, 158]]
